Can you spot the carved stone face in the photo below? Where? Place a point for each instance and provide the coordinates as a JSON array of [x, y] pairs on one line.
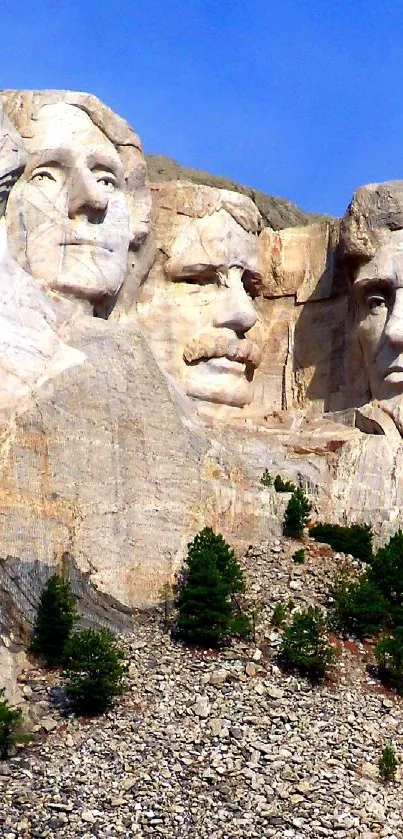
[[67, 216], [378, 291], [198, 313]]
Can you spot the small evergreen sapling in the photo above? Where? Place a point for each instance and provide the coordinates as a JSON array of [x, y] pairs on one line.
[[95, 670], [254, 616], [387, 764], [11, 726], [280, 485], [296, 515], [266, 479], [279, 616], [389, 657], [55, 619], [167, 596], [305, 647]]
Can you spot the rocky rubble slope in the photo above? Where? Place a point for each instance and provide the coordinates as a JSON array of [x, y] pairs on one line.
[[216, 744]]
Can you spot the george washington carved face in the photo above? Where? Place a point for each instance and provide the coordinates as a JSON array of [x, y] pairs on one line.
[[67, 215]]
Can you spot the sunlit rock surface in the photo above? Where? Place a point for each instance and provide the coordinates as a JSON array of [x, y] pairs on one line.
[[154, 364]]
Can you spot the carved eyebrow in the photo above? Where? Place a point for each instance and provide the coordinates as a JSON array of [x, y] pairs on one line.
[[102, 160], [376, 282], [45, 158], [197, 274]]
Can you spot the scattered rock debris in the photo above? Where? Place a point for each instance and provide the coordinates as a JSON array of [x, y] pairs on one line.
[[213, 746]]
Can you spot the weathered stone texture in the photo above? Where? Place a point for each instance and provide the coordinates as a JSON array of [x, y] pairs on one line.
[[91, 468], [217, 349], [300, 261]]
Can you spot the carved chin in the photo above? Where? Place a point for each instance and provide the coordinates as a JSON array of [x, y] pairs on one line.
[[85, 274], [220, 381]]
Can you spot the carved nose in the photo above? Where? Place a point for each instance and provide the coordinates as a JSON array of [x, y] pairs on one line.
[[86, 196], [234, 308], [394, 325]]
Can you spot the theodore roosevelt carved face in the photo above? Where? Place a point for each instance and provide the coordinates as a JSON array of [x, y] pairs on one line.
[[198, 311], [67, 215]]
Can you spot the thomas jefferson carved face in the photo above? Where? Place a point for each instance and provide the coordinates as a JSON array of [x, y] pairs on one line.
[[197, 314], [378, 291], [67, 215]]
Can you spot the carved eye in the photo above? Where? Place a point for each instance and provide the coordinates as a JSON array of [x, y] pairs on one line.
[[41, 175], [105, 177], [376, 301], [108, 180], [201, 279]]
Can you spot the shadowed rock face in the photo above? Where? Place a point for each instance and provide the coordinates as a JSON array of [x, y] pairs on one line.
[[12, 158]]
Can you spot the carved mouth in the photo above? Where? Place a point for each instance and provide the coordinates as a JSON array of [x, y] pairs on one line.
[[223, 364], [91, 243]]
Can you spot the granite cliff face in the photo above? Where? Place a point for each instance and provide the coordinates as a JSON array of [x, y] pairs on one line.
[[163, 346]]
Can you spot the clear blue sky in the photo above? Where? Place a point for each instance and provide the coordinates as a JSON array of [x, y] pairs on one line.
[[300, 98]]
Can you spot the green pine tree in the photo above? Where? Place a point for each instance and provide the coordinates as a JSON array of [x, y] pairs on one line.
[[55, 620], [389, 657], [387, 573], [213, 544], [11, 726], [207, 603], [388, 764], [359, 605], [355, 539], [280, 485], [95, 670], [297, 514], [304, 646]]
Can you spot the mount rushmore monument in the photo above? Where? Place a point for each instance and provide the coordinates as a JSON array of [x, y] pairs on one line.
[[162, 346]]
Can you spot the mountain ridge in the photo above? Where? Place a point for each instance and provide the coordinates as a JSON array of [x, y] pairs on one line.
[[276, 212]]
